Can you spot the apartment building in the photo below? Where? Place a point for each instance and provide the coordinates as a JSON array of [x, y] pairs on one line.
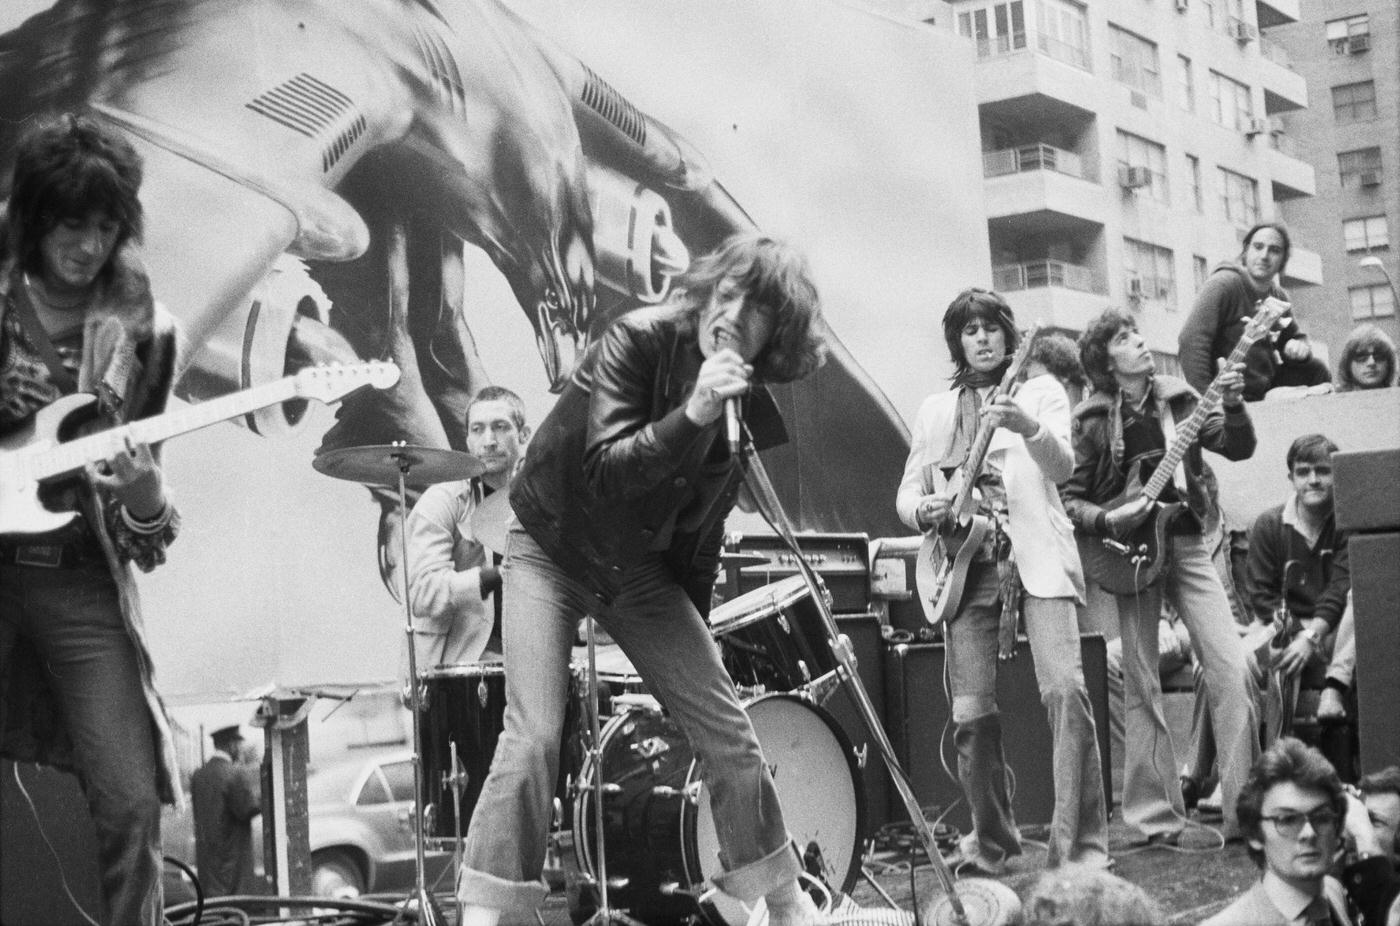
[[1126, 148], [1349, 54]]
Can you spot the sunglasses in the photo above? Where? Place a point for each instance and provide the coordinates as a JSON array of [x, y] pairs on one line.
[[1290, 823], [1369, 353]]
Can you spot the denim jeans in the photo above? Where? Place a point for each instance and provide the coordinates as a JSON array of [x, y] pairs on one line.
[[671, 647], [1151, 792], [73, 620], [1079, 827]]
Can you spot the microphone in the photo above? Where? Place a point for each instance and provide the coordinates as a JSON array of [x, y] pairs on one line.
[[731, 424]]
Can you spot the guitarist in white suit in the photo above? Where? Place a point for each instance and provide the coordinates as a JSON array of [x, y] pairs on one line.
[[1029, 533], [1121, 430]]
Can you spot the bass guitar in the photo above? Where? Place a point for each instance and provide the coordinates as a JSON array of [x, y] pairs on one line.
[[940, 571], [1128, 564], [40, 451]]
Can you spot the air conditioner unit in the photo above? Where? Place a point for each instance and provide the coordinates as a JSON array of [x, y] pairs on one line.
[[1256, 126], [1370, 178], [1241, 31], [1133, 178], [1358, 43], [1135, 288]]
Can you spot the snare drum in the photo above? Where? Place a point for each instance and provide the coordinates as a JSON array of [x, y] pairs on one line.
[[773, 638], [465, 705], [658, 831]]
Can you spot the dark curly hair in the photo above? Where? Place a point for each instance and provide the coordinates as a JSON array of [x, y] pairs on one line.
[[1060, 356], [67, 167], [1362, 338], [970, 304], [774, 274], [1287, 760], [1093, 346]]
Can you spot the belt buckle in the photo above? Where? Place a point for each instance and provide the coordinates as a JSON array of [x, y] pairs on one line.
[[48, 555]]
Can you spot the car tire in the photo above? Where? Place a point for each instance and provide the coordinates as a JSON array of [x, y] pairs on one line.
[[335, 873]]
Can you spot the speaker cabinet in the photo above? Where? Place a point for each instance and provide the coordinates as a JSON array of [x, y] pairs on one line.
[[1375, 590], [920, 726], [31, 880], [864, 633]]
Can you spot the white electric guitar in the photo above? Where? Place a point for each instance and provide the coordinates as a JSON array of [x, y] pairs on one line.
[[39, 452]]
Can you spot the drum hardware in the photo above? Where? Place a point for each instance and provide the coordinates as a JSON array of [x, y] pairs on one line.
[[951, 907], [383, 465]]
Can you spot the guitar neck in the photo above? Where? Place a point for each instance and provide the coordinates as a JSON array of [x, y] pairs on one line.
[[1187, 431], [75, 454]]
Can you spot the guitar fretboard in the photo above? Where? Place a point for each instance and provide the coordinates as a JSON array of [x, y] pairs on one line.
[[44, 463]]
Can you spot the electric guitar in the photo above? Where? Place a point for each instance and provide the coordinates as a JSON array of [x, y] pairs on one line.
[[1131, 563], [940, 571], [40, 451]]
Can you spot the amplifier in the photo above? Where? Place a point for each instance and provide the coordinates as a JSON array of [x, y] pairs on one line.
[[1366, 499], [842, 560], [894, 595]]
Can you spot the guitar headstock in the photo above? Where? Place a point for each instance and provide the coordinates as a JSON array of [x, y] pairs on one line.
[[330, 381], [1266, 313]]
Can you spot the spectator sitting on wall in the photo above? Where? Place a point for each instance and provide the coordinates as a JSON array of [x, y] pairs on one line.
[[1227, 299], [1368, 360]]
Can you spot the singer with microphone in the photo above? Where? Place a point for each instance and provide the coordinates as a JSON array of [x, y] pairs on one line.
[[621, 505]]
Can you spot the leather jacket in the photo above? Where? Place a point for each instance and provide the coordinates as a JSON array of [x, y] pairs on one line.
[[616, 460], [1098, 475]]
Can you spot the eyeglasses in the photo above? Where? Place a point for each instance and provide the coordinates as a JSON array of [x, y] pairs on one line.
[[1370, 353], [1290, 823]]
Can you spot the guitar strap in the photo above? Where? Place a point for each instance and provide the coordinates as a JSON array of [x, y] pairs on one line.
[[34, 329]]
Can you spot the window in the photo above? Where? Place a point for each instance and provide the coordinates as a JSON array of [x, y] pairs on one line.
[[1368, 234], [1148, 156], [1186, 84], [1360, 168], [1193, 179], [1135, 62], [1231, 103], [1354, 102], [400, 778], [1063, 32], [374, 791], [1239, 196], [1200, 270], [1151, 266], [1349, 36], [998, 27], [1373, 301]]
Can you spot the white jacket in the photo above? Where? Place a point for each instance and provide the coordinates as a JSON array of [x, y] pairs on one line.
[[1042, 537]]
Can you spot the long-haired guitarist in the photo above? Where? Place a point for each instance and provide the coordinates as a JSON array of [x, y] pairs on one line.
[[1122, 429], [1028, 550], [76, 315]]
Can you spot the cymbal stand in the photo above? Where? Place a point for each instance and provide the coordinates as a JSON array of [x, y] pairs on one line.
[[593, 758], [429, 913], [762, 488], [456, 780]]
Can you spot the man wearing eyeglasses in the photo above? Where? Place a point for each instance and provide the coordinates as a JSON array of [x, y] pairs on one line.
[[1291, 811]]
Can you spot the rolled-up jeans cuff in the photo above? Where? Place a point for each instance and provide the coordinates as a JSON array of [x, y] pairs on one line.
[[756, 879], [477, 888]]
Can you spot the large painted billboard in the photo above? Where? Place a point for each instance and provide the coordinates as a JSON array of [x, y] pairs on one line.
[[474, 190]]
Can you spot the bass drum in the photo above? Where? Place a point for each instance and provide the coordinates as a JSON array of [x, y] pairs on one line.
[[659, 833]]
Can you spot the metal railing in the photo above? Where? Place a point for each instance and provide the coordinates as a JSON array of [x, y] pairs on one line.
[[1032, 157], [1038, 274], [1275, 53]]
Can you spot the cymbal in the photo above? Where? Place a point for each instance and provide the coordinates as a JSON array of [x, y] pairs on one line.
[[380, 464]]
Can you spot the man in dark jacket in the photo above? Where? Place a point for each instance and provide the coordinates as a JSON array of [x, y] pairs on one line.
[[225, 804], [1121, 430], [621, 505], [1217, 320]]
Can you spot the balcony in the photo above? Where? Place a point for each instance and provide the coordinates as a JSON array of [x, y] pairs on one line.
[[1277, 12], [1284, 88], [1038, 197], [1032, 157], [1291, 177], [1304, 268], [1043, 68], [1058, 294]]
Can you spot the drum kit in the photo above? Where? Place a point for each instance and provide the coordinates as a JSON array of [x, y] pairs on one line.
[[643, 834]]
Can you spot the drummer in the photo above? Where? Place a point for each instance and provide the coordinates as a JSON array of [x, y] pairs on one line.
[[456, 535]]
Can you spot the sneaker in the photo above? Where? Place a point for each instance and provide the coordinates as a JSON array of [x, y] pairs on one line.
[[1190, 792], [1330, 706], [969, 860], [1214, 803], [1158, 841]]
